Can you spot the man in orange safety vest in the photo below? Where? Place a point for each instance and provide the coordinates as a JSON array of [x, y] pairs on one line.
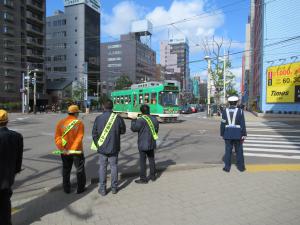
[[68, 139]]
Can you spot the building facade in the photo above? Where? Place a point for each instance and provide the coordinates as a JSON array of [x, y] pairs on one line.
[[127, 57], [275, 65], [22, 46], [73, 47], [174, 56]]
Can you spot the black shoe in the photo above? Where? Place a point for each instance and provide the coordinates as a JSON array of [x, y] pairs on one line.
[[67, 190], [114, 191], [153, 178], [139, 181], [226, 170], [79, 191], [242, 169], [101, 192]]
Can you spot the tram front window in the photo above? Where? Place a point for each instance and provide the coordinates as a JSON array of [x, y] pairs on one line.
[[168, 99]]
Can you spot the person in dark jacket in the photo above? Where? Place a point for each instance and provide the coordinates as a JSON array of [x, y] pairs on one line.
[[233, 131], [11, 153], [146, 142], [108, 129]]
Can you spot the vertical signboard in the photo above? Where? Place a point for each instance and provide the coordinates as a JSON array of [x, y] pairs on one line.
[[283, 83]]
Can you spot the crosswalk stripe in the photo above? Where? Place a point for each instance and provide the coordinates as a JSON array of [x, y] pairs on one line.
[[270, 135], [273, 146], [272, 156], [274, 130], [266, 141], [271, 150], [271, 138]]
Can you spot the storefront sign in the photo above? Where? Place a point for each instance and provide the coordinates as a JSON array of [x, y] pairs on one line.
[[283, 83]]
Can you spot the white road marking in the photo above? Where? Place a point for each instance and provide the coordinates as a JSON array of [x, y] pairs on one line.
[[277, 142], [269, 138], [271, 150], [272, 156], [270, 135], [274, 146], [275, 130]]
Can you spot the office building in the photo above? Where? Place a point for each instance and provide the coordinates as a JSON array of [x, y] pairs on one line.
[[73, 49], [131, 56], [174, 56], [22, 25], [275, 62]]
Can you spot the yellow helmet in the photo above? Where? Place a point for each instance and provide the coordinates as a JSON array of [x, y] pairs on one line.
[[3, 116], [73, 109]]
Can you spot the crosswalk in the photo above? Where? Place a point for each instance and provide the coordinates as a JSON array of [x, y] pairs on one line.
[[276, 140]]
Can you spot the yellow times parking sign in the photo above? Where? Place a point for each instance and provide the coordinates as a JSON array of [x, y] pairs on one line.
[[283, 83]]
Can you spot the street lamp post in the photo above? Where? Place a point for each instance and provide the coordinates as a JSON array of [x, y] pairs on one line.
[[34, 92], [208, 59]]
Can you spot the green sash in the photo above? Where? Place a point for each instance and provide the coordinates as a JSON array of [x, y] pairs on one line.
[[68, 128], [151, 126], [105, 131]]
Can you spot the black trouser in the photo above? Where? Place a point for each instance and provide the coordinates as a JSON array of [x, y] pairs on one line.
[[5, 206], [80, 171], [238, 146], [150, 156]]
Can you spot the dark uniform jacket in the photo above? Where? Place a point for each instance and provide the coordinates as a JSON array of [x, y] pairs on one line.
[[11, 154], [230, 134], [146, 141], [111, 144]]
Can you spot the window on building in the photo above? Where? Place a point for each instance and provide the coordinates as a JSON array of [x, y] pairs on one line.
[[114, 65], [114, 52], [60, 69], [75, 30], [114, 46], [75, 42], [9, 87], [114, 59]]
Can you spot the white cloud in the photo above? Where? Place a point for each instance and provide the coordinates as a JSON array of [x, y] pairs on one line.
[[127, 11], [122, 16]]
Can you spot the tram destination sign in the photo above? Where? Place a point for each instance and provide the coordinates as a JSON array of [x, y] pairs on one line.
[[283, 83]]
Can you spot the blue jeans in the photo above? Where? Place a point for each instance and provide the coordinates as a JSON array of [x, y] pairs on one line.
[[229, 144], [113, 162]]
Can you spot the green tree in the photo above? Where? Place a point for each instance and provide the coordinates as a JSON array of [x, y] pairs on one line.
[[123, 82], [78, 92]]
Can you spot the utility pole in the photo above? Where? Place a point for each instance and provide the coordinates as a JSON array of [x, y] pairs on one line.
[[34, 92], [23, 93], [224, 77], [28, 89], [98, 84], [208, 59]]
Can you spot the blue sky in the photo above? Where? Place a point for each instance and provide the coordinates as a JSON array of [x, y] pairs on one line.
[[218, 18]]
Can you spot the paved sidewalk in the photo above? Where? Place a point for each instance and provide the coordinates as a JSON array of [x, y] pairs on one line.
[[198, 196]]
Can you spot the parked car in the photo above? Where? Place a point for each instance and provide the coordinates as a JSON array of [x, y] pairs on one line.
[[185, 109]]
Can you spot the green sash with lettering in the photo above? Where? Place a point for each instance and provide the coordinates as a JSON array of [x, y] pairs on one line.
[[105, 131]]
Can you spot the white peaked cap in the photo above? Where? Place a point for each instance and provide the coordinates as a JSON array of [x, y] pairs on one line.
[[233, 99]]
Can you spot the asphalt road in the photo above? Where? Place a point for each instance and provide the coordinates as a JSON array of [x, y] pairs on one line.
[[194, 140]]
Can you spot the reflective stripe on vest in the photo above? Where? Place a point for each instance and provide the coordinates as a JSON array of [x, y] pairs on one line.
[[105, 131], [231, 123], [151, 126], [66, 152], [68, 128]]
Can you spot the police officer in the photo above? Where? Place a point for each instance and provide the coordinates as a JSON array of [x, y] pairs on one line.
[[147, 127], [233, 131], [107, 130], [68, 139], [11, 152]]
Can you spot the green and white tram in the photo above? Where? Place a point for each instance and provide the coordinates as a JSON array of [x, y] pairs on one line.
[[162, 97]]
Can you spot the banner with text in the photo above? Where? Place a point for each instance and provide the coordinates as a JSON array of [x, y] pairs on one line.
[[283, 83]]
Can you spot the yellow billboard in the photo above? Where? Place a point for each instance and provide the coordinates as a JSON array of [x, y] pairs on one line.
[[283, 83]]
